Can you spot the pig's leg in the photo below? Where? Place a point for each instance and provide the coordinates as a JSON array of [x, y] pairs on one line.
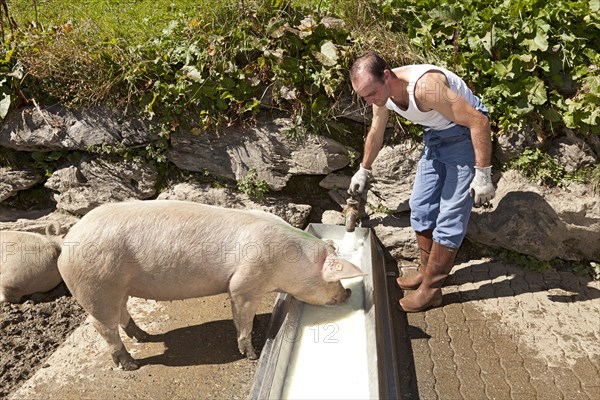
[[129, 326], [119, 354], [106, 311], [244, 310]]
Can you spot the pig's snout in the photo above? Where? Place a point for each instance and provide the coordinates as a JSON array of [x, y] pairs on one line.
[[343, 298]]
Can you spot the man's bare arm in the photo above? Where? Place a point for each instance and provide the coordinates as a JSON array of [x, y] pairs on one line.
[[374, 139], [457, 109]]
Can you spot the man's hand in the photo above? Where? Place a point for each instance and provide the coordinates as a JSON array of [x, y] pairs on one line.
[[359, 181], [482, 189]]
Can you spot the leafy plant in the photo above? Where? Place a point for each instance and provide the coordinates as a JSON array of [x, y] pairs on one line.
[[529, 60], [49, 161], [538, 166], [595, 270], [252, 186], [4, 100], [594, 179], [204, 65], [591, 269], [10, 72], [524, 260]]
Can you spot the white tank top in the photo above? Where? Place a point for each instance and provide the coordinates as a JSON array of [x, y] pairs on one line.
[[432, 119]]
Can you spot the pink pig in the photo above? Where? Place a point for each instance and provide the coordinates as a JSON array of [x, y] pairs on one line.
[[28, 263], [170, 250]]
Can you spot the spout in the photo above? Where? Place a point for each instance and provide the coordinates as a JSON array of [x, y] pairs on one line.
[[351, 214]]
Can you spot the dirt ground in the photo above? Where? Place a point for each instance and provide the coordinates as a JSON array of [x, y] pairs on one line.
[[192, 352], [32, 330]]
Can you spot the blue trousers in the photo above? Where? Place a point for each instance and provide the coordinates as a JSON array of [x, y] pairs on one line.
[[440, 199]]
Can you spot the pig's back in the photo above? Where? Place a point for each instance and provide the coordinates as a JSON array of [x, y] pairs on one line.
[[28, 262]]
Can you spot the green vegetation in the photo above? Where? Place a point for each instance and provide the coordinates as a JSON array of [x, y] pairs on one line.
[[208, 66], [539, 166], [200, 65], [533, 62], [253, 186], [590, 269]]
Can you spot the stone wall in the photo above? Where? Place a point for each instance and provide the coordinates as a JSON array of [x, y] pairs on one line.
[[524, 217]]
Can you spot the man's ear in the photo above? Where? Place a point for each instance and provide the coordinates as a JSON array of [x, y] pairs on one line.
[[386, 74]]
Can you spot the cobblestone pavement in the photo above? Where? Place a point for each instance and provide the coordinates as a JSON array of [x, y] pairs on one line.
[[507, 333]]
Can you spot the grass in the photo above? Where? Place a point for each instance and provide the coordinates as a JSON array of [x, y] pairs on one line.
[[130, 54], [133, 22], [130, 21]]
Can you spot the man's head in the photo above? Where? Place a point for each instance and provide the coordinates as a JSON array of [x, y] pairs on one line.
[[369, 75]]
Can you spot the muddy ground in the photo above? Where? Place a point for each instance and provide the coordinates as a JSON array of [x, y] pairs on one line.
[[31, 330]]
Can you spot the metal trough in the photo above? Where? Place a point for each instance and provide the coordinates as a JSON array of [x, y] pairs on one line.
[[380, 341]]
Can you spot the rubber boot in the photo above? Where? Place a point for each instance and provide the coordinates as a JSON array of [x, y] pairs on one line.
[[429, 294], [425, 241]]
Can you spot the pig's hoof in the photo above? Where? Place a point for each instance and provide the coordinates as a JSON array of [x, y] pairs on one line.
[[251, 353], [124, 359], [129, 365], [248, 351]]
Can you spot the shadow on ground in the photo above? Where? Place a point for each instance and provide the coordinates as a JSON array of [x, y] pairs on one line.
[[504, 280], [213, 342]]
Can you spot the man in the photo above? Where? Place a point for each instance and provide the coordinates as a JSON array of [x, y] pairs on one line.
[[453, 173]]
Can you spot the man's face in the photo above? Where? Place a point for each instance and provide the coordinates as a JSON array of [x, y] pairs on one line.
[[372, 90]]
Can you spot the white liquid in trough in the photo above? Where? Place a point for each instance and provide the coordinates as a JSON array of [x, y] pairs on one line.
[[329, 358]]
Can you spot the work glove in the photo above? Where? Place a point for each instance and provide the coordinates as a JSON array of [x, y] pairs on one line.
[[359, 181], [481, 189]]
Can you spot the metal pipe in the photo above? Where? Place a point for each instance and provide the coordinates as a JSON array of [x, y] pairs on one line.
[[351, 210]]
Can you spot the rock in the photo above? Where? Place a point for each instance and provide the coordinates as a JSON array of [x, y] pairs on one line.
[[294, 214], [394, 172], [540, 222], [332, 217], [347, 108], [512, 143], [338, 196], [12, 181], [34, 221], [93, 181], [57, 128], [572, 153], [264, 147], [337, 185], [336, 181], [396, 234], [594, 142]]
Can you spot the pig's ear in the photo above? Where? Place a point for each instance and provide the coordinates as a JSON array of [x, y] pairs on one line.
[[336, 268]]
